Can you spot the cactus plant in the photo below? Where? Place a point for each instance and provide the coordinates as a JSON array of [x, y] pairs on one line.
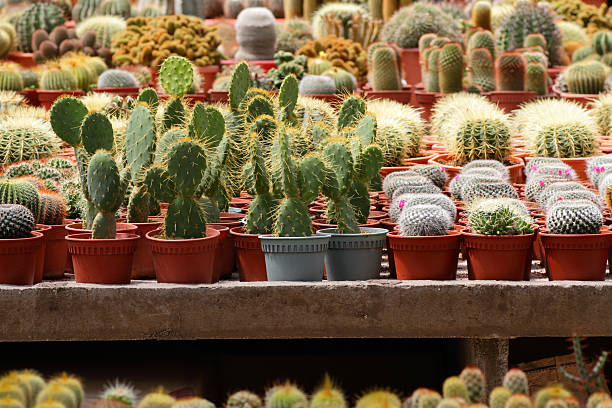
[[454, 387], [481, 14], [39, 15], [72, 383], [556, 128], [510, 71], [385, 70], [498, 217], [436, 174], [482, 163], [450, 65], [243, 399], [591, 381], [574, 217], [516, 381], [379, 399], [19, 191], [58, 79], [18, 170], [317, 85], [344, 81], [256, 34], [408, 200], [555, 188], [84, 9], [193, 402], [156, 399], [52, 209], [59, 393], [476, 191], [586, 77], [519, 401], [119, 8], [596, 398], [117, 78], [499, 396], [16, 221], [285, 396], [432, 70], [528, 18], [328, 396], [536, 79], [474, 380], [482, 70], [482, 39], [472, 128]]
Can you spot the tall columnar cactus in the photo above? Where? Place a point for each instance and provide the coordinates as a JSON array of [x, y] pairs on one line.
[[300, 183], [385, 70], [84, 9], [510, 71], [40, 15], [481, 14], [432, 78], [20, 191], [482, 70], [451, 68], [586, 77], [482, 39], [259, 219], [536, 79]]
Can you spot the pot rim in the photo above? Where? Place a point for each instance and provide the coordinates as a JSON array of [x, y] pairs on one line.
[[82, 237], [365, 232], [309, 237], [36, 235], [215, 234], [236, 231], [396, 234]]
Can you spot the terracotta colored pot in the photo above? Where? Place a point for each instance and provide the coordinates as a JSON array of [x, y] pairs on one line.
[[40, 256], [554, 72], [230, 216], [217, 96], [265, 65], [515, 170], [192, 99], [121, 91], [224, 255], [581, 99], [142, 266], [425, 258], [25, 59], [426, 100], [579, 166], [410, 65], [47, 98], [208, 75], [104, 261], [402, 96], [423, 159], [250, 259], [184, 260], [56, 252], [576, 257], [19, 259], [30, 97], [498, 257], [510, 100]]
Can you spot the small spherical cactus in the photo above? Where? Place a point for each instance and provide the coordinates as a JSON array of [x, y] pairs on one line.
[[494, 164], [71, 382], [596, 398], [519, 401], [158, 399], [454, 387], [424, 220], [286, 396], [574, 217], [409, 200], [427, 399], [243, 399], [379, 399], [328, 396], [545, 394], [16, 221], [499, 396], [474, 380], [59, 393]]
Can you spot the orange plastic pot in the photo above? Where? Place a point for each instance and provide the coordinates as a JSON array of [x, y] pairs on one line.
[[411, 67], [77, 228], [576, 257], [40, 257], [47, 98], [18, 259], [510, 100], [56, 252], [498, 257], [121, 91], [224, 255], [250, 259], [103, 261], [30, 97], [25, 59], [142, 266], [515, 170], [426, 100], [425, 258], [208, 75], [217, 96], [230, 216], [402, 96], [184, 260], [579, 166]]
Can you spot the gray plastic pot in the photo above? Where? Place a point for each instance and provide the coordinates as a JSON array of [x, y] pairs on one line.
[[294, 258], [354, 256]]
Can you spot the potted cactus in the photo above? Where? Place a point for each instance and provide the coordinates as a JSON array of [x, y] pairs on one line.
[[498, 240], [510, 78], [20, 245], [472, 128], [293, 252], [583, 81], [54, 82], [558, 129], [575, 242], [385, 74], [425, 247], [354, 252], [102, 255], [119, 82]]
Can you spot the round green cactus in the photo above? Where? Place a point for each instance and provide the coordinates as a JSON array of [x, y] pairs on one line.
[[516, 381], [586, 77], [499, 217], [193, 402], [510, 70], [379, 399], [474, 380], [72, 383], [573, 217], [454, 387], [243, 399], [158, 399], [519, 401], [536, 79], [499, 396], [328, 396], [285, 396], [58, 393], [427, 399], [482, 70]]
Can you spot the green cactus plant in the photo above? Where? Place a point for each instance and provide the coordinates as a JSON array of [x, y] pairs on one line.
[[16, 221], [519, 401], [52, 209], [590, 380], [119, 8], [510, 71], [243, 399], [156, 399], [596, 398], [259, 219], [117, 78], [602, 42], [58, 79], [482, 39], [432, 69], [32, 378], [451, 67], [499, 217], [574, 217], [454, 387], [586, 77], [285, 396], [499, 396], [19, 191], [328, 396], [482, 69], [385, 70], [57, 393], [193, 402], [536, 79], [474, 380], [408, 200], [516, 381], [472, 193], [40, 15], [379, 399], [426, 398]]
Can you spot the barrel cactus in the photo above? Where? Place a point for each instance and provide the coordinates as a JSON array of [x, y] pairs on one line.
[[117, 78], [243, 399], [40, 15], [574, 217], [586, 77], [285, 396], [16, 221]]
